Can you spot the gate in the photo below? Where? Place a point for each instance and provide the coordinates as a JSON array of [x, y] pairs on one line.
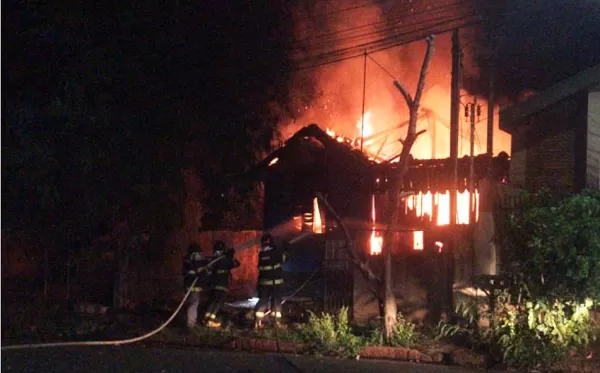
[[338, 279]]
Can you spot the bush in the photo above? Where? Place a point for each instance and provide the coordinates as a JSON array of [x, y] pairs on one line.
[[541, 333], [535, 334], [403, 335], [553, 246], [466, 325], [331, 335]]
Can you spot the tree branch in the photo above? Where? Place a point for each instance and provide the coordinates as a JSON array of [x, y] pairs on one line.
[[402, 89], [424, 68], [411, 135]]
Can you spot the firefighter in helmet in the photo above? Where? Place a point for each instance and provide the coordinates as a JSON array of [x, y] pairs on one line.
[[221, 274], [270, 280], [192, 264]]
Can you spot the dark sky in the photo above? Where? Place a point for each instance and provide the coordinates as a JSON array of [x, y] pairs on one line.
[[539, 42]]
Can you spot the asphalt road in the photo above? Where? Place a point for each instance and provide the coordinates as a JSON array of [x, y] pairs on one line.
[[139, 359]]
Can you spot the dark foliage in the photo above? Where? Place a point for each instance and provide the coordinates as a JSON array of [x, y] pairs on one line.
[[104, 105]]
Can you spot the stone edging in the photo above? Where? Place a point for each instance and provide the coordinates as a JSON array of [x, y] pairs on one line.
[[270, 345]]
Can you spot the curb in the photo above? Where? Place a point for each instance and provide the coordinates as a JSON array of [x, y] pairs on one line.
[[270, 345]]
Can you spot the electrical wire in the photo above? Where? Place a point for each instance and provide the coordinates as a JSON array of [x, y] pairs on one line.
[[391, 23], [336, 56], [386, 46], [382, 68], [395, 39]]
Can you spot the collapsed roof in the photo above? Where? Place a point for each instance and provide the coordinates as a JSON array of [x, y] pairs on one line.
[[312, 148]]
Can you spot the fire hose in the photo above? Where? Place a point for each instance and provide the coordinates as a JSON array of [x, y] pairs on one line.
[[149, 334]]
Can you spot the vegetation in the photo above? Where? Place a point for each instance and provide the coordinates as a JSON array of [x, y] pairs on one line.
[[328, 334], [404, 334], [552, 248]]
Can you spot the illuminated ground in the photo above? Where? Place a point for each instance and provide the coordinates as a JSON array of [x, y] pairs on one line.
[[138, 359]]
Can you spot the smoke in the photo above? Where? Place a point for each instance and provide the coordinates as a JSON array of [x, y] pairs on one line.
[[332, 94]]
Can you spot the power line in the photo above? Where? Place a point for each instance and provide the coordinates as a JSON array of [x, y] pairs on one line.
[[385, 41], [343, 54], [373, 28], [381, 67], [382, 44]]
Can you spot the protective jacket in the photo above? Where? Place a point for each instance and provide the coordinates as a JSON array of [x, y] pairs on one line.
[[270, 265], [192, 263], [222, 270]]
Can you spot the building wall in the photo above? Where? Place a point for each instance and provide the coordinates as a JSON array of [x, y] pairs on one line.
[[593, 140], [546, 147], [422, 280], [161, 282]]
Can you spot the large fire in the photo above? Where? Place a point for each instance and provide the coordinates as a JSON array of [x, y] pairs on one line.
[[370, 113]]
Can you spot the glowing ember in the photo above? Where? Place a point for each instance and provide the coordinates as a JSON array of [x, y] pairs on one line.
[[376, 242], [275, 160], [439, 246]]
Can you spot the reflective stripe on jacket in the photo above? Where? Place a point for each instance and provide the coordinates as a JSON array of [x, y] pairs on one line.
[[191, 264], [270, 262], [222, 271]]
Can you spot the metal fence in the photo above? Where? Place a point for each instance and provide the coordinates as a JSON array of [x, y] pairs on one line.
[[338, 279]]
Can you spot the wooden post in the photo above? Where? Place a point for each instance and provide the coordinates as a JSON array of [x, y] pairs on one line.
[[472, 163], [490, 118], [454, 120], [454, 136]]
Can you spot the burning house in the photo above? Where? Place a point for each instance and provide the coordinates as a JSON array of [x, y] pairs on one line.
[[314, 161]]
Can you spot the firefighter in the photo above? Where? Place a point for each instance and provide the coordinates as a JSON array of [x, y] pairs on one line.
[[192, 263], [220, 282], [270, 280]]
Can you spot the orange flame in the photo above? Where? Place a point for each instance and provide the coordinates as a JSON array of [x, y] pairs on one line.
[[376, 242], [317, 220], [424, 205]]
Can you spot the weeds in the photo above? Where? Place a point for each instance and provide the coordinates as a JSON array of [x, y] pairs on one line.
[[403, 335], [531, 335], [331, 335]]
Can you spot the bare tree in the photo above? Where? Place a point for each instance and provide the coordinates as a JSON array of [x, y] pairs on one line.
[[395, 196]]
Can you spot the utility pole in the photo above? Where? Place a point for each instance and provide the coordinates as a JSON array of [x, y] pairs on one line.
[[454, 120], [490, 119], [471, 111]]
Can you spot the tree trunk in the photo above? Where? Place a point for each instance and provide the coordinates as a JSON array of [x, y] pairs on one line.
[[384, 286], [396, 191]]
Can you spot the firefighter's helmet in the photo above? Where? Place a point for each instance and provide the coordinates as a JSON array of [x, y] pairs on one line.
[[219, 246], [266, 239], [193, 248]]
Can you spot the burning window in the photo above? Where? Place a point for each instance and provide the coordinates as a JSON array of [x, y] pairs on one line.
[[418, 243], [437, 206]]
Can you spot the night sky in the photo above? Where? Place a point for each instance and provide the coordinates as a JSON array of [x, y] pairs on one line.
[[104, 103]]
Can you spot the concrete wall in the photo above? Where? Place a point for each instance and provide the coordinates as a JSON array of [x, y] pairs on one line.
[[593, 140], [161, 282], [420, 278], [546, 151]]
